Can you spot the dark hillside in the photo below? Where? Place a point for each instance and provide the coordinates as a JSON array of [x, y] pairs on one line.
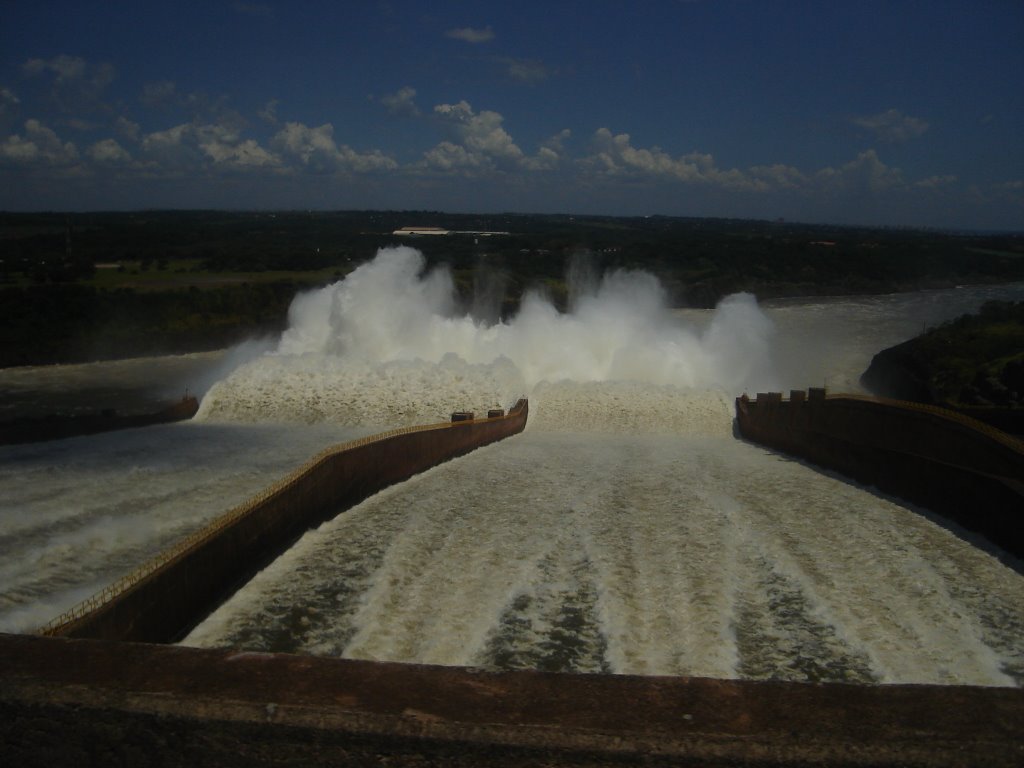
[[974, 362]]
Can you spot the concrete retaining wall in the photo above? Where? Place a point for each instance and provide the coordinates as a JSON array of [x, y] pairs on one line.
[[954, 465], [169, 596], [84, 702]]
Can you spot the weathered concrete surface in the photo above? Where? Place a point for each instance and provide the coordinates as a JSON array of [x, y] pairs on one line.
[[87, 702]]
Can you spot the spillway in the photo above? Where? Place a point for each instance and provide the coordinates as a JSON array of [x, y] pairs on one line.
[[625, 551], [626, 531]]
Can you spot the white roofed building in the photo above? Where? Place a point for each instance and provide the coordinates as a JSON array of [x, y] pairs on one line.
[[421, 231]]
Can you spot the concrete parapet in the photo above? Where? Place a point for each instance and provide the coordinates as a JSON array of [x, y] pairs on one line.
[[80, 702]]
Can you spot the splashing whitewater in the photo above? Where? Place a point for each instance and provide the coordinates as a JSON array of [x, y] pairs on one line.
[[388, 346]]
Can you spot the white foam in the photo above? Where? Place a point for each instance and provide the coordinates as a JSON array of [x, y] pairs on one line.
[[639, 554], [89, 510], [629, 407], [384, 346]]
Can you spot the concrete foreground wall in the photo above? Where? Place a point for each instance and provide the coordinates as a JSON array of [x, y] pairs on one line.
[[168, 597], [84, 702], [962, 469]]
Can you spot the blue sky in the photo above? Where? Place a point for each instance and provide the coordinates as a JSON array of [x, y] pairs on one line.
[[895, 113]]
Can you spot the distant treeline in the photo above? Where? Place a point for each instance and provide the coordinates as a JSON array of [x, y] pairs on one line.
[[98, 285], [77, 323]]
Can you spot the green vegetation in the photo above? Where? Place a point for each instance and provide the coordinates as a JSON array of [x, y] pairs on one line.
[[99, 285], [975, 360]]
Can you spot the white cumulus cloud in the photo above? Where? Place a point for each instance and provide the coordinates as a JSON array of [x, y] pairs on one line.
[[9, 102], [75, 83], [38, 146], [64, 68], [482, 133], [471, 35], [402, 102], [315, 148], [109, 152], [127, 128], [483, 145], [192, 145], [866, 174], [892, 126], [524, 70], [269, 112], [615, 155]]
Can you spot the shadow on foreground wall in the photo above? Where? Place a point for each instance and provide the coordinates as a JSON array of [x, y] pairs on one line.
[[86, 702]]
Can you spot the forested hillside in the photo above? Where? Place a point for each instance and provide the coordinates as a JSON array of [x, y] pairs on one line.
[[975, 360]]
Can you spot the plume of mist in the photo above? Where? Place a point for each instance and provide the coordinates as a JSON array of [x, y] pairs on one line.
[[489, 284], [392, 326]]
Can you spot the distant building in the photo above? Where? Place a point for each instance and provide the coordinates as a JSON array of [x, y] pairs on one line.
[[418, 231], [415, 231]]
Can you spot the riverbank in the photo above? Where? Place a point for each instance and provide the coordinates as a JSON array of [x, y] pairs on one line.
[[130, 386], [58, 427]]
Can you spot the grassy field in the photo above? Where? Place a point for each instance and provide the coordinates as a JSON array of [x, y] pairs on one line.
[[184, 273]]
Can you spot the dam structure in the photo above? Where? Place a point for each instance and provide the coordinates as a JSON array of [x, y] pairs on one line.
[[166, 597], [96, 677], [621, 582]]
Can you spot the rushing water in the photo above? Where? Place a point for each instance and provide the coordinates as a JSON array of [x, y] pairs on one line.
[[627, 551], [626, 531]]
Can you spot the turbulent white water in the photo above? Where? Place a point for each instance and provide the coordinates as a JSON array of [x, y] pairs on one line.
[[638, 554], [385, 346], [78, 514], [626, 531]]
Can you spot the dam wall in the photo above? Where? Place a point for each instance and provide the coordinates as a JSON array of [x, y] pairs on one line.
[[167, 597], [86, 702], [960, 468]]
